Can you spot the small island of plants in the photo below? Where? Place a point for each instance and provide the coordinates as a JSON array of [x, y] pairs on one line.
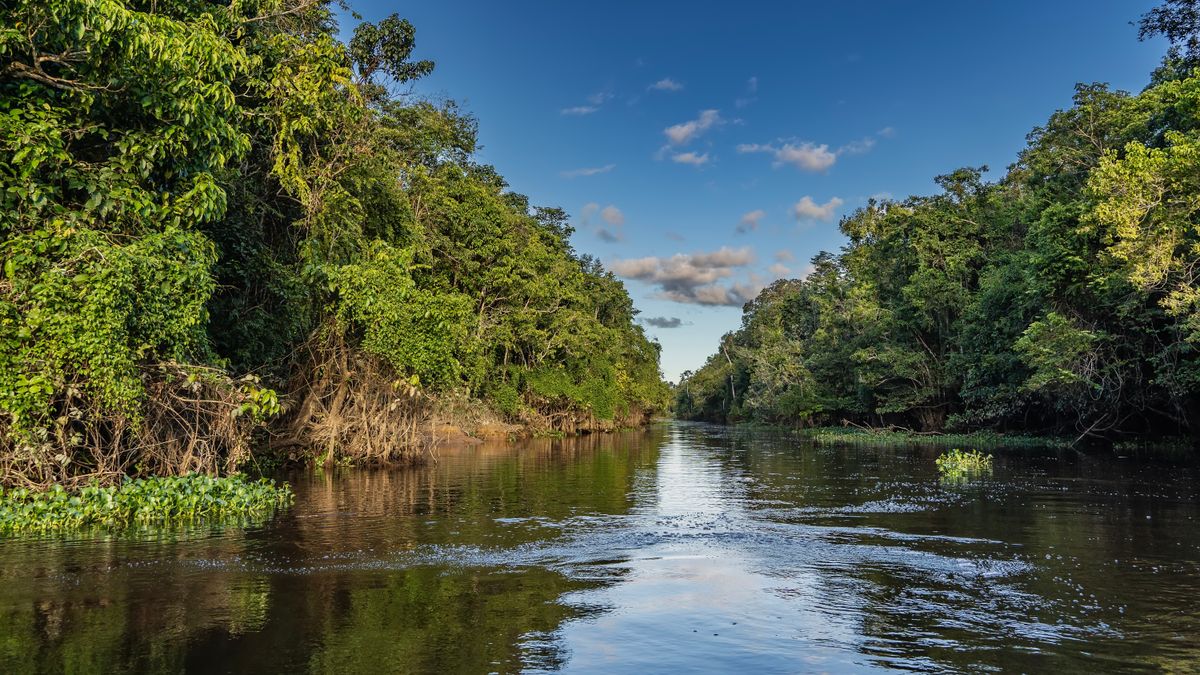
[[959, 464], [158, 501]]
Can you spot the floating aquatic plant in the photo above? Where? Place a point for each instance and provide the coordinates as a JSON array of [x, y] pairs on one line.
[[957, 464], [164, 501]]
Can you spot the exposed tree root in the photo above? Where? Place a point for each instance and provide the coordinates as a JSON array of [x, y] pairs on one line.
[[350, 405], [193, 419]]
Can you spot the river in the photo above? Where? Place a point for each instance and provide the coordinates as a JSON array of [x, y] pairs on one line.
[[685, 547]]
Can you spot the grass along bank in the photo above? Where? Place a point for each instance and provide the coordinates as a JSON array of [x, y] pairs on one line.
[[161, 502], [978, 439]]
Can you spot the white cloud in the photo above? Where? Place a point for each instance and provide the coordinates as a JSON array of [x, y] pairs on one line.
[[806, 156], [750, 221], [724, 257], [779, 271], [666, 84], [784, 255], [807, 209], [579, 110], [684, 132], [588, 171], [695, 278], [691, 158], [613, 216], [859, 147], [752, 85], [599, 97], [809, 156]]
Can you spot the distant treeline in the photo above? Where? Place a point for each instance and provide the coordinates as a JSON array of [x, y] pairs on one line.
[[1062, 298], [216, 218]]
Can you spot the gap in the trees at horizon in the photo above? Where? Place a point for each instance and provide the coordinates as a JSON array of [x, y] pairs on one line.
[[670, 133]]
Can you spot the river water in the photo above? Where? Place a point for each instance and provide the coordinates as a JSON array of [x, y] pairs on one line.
[[683, 548]]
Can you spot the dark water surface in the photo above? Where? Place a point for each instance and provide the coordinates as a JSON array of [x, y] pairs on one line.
[[682, 548]]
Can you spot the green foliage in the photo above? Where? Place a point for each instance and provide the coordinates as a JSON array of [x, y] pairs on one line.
[[957, 464], [1060, 299], [213, 185], [421, 334], [115, 124], [167, 501]]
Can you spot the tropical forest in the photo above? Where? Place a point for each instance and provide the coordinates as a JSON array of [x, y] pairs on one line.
[[885, 357]]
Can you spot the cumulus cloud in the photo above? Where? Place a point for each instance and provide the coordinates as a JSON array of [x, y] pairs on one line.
[[779, 271], [666, 84], [809, 156], [783, 255], [663, 321], [807, 209], [579, 110], [806, 156], [675, 236], [613, 216], [695, 278], [588, 171], [750, 221], [684, 132], [691, 158]]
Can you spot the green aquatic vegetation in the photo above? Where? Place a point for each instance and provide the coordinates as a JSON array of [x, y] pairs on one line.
[[161, 501], [979, 439], [957, 464]]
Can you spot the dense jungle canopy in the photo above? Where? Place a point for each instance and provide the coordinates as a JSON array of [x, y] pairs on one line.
[[1061, 297], [217, 218]]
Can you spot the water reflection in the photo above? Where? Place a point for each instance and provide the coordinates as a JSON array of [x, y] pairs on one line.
[[684, 547]]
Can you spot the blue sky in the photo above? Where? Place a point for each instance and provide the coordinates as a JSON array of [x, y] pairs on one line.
[[705, 149]]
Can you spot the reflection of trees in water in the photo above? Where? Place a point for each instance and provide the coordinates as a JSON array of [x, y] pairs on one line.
[[372, 571], [326, 586], [84, 607], [1072, 582]]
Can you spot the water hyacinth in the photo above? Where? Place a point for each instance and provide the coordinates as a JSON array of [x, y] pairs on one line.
[[161, 501], [963, 464]]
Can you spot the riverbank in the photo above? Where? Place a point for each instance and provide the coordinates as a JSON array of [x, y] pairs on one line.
[[976, 439], [171, 501], [982, 440]]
